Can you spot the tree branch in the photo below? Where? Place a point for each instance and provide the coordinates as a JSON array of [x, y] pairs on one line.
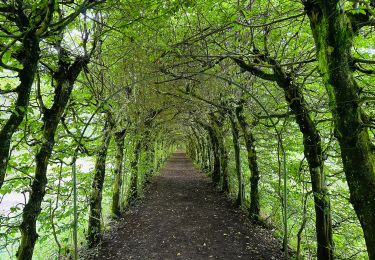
[[255, 71], [270, 23], [363, 70]]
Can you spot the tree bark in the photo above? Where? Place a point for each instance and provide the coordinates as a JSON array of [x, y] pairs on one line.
[[150, 157], [208, 155], [216, 154], [254, 209], [149, 171], [223, 165], [65, 78], [117, 183], [314, 156], [237, 155], [218, 122], [200, 148], [312, 150], [30, 50], [133, 191], [204, 154], [94, 223], [334, 30]]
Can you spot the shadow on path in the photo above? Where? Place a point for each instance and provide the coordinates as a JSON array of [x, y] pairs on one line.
[[184, 217]]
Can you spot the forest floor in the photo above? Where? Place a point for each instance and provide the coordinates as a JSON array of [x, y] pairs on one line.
[[184, 217]]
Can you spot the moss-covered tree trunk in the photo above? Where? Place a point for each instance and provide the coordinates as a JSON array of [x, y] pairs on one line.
[[237, 155], [223, 165], [218, 124], [254, 209], [29, 61], [312, 150], [64, 78], [95, 210], [216, 156], [156, 154], [118, 171], [202, 149], [198, 146], [314, 153], [149, 170], [209, 155], [334, 30], [133, 190], [205, 154], [201, 152], [150, 157]]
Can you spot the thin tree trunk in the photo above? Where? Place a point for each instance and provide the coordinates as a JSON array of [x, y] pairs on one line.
[[150, 157], [30, 50], [117, 183], [209, 155], [123, 197], [216, 154], [148, 160], [200, 148], [146, 149], [237, 155], [94, 223], [218, 125], [156, 155], [133, 191], [254, 209], [65, 78], [313, 152], [224, 165], [204, 154]]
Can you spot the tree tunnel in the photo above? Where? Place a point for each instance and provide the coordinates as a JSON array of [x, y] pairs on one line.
[[272, 101]]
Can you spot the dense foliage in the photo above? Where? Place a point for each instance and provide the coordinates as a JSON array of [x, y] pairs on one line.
[[272, 99]]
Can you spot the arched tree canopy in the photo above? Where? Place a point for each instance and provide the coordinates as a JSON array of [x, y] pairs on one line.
[[271, 99]]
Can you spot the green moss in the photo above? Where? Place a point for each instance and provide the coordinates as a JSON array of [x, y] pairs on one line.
[[323, 51]]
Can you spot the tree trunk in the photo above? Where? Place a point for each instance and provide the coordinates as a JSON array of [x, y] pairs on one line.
[[204, 154], [254, 209], [237, 155], [65, 78], [224, 165], [216, 154], [313, 153], [218, 123], [150, 158], [156, 155], [117, 183], [30, 48], [208, 155], [94, 223], [200, 148], [133, 191], [148, 169], [314, 156], [334, 30]]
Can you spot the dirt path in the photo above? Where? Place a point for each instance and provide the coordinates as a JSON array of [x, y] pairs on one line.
[[184, 217]]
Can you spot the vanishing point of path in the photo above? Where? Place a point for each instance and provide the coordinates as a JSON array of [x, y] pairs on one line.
[[184, 217]]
